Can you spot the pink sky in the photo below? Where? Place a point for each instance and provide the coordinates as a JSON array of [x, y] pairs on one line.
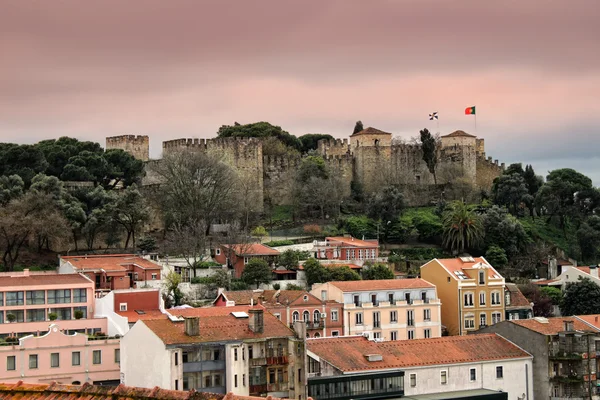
[[172, 69]]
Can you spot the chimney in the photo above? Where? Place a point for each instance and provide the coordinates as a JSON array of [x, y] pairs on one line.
[[569, 326], [256, 322], [192, 326], [594, 271], [26, 272]]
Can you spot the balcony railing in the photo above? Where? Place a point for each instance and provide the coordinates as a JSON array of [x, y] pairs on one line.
[[277, 387], [279, 360]]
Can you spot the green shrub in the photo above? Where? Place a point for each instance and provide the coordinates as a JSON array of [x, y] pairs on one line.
[[291, 286], [52, 316], [276, 243], [238, 284], [276, 286], [428, 226]]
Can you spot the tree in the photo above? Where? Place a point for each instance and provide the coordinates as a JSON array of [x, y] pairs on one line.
[[95, 215], [428, 225], [25, 161], [131, 212], [259, 232], [553, 293], [188, 240], [315, 272], [358, 127], [429, 147], [260, 130], [257, 271], [147, 244], [462, 227], [542, 304], [57, 152], [387, 204], [511, 191], [377, 271], [581, 298], [359, 226], [171, 286], [588, 236], [343, 273], [504, 230], [11, 187], [86, 166], [310, 141], [496, 256], [289, 259], [122, 168]]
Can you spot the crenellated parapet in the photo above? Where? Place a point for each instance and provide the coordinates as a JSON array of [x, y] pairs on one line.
[[332, 147], [136, 145]]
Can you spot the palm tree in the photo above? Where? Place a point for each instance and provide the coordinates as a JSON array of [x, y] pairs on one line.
[[462, 227]]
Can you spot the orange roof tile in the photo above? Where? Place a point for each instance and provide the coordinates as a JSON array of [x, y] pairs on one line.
[[350, 241], [456, 264], [242, 297], [348, 353], [134, 316], [109, 262], [593, 320], [516, 297], [255, 249], [546, 282], [370, 131], [216, 323], [553, 326], [382, 284], [43, 279], [584, 269], [459, 133], [54, 391]]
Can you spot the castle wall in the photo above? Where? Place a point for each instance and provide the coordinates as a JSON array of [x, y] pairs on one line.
[[137, 146], [408, 165], [342, 167], [335, 147], [371, 166], [453, 141], [461, 158], [278, 173], [480, 147], [371, 139], [487, 171]]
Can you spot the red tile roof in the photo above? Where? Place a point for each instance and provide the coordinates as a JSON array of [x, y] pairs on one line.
[[593, 320], [348, 353], [382, 284], [216, 323], [370, 131], [109, 262], [54, 391], [551, 326], [516, 297], [459, 134], [44, 279], [546, 282], [255, 249], [584, 269], [134, 316], [350, 241], [242, 297], [456, 264]]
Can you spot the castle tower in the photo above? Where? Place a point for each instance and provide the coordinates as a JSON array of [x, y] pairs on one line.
[[460, 138], [138, 146], [370, 137]]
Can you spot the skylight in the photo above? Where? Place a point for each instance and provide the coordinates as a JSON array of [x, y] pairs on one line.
[[467, 259], [239, 314]]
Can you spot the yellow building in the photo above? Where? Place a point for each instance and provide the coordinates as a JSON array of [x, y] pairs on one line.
[[471, 292]]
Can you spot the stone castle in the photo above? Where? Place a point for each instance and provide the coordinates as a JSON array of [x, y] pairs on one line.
[[368, 157]]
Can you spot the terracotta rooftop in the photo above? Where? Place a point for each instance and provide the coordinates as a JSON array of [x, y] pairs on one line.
[[44, 279], [135, 315], [593, 320], [216, 324], [255, 249], [546, 282], [350, 241], [334, 265], [348, 353], [243, 297], [584, 269], [516, 297], [382, 284], [551, 326], [370, 131], [459, 134], [54, 391], [109, 262], [457, 264]]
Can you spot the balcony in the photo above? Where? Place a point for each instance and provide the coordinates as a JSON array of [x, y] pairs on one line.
[[258, 389], [278, 360], [561, 354], [315, 325], [209, 365], [277, 387], [258, 362]]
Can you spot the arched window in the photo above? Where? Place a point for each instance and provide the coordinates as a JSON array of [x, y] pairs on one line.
[[316, 316], [306, 316], [295, 316], [279, 350], [317, 334]]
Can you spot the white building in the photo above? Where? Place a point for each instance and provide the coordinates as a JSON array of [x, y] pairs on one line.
[[468, 365]]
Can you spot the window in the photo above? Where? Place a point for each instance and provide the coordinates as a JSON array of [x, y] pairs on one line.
[[495, 298], [482, 320], [376, 335], [235, 354], [334, 315], [63, 314], [424, 297], [448, 279], [1, 299], [14, 298], [79, 295], [295, 316], [54, 360], [11, 363], [83, 310], [468, 299], [427, 333], [469, 321], [19, 315], [306, 316], [410, 318], [246, 259], [154, 277], [413, 380], [75, 358], [496, 317], [35, 297], [427, 314], [473, 374], [244, 380], [411, 334], [217, 380], [359, 318], [393, 316], [374, 300], [482, 298], [123, 307], [376, 319], [36, 315], [323, 295], [218, 252], [394, 335], [407, 298], [277, 315], [176, 384], [305, 299], [97, 357], [482, 277], [356, 299], [443, 377], [335, 333], [507, 298], [117, 356], [235, 380], [33, 361], [499, 372], [316, 316], [251, 352], [61, 296]]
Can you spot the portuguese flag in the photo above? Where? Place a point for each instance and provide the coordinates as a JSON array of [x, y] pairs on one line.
[[470, 111]]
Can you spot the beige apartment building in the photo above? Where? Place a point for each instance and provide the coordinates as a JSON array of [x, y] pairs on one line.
[[389, 309]]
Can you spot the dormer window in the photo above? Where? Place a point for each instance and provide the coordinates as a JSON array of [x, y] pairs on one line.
[[482, 277], [305, 298]]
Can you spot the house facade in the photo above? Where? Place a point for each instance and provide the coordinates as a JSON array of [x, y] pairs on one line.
[[390, 309], [471, 292], [64, 358], [236, 256], [322, 318], [466, 367], [29, 301], [516, 305], [565, 364], [571, 274], [219, 350], [346, 249]]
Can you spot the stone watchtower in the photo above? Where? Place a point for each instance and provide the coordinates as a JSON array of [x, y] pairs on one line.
[[370, 137], [138, 146]]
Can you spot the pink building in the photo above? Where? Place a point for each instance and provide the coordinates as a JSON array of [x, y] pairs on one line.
[[29, 300], [347, 248], [63, 358]]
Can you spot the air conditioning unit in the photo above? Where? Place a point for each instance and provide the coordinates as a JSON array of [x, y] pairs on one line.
[[323, 315], [366, 334]]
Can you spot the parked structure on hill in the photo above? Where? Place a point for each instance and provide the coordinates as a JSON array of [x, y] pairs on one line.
[[346, 249], [515, 304], [236, 256]]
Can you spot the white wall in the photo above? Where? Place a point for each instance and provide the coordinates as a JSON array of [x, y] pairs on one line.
[[514, 379], [65, 267], [145, 361], [239, 368], [104, 307]]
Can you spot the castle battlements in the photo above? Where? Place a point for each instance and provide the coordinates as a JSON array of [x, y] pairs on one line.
[[136, 145], [274, 162]]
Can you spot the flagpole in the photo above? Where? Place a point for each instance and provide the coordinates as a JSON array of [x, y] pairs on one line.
[[475, 122]]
